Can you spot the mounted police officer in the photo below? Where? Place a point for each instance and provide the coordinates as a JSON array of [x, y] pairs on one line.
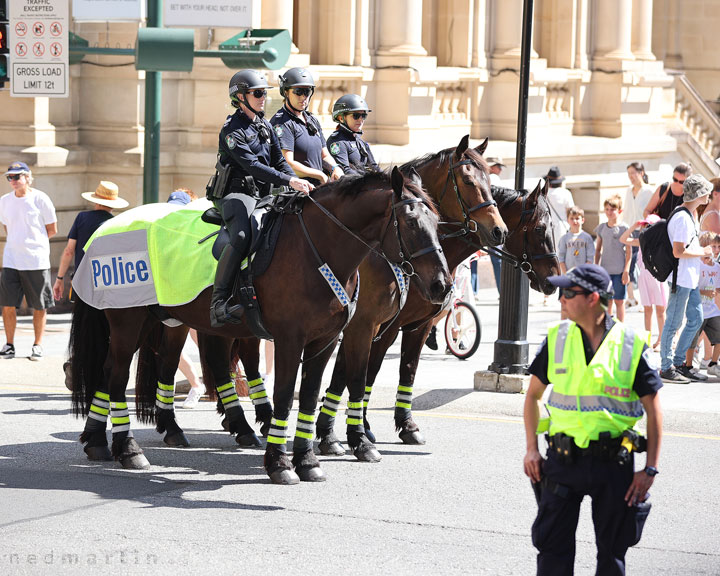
[[350, 151], [249, 163], [602, 380], [299, 132]]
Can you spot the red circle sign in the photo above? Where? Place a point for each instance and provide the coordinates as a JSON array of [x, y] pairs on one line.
[[21, 28], [21, 49], [55, 49], [38, 49], [38, 29], [56, 28]]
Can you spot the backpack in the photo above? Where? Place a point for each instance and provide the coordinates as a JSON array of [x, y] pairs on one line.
[[657, 251]]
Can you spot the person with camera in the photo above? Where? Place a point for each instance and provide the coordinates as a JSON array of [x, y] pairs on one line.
[[299, 132], [249, 163], [348, 149], [603, 382]]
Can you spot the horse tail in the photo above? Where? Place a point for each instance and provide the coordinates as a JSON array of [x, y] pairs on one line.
[[147, 375], [88, 350]]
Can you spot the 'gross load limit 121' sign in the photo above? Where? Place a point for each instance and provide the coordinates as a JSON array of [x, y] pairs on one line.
[[39, 48]]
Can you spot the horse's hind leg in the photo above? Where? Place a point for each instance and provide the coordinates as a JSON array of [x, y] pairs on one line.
[[216, 353], [94, 436], [168, 358], [249, 352], [329, 444], [412, 344]]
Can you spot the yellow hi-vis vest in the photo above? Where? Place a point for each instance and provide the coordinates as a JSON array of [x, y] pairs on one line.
[[587, 399]]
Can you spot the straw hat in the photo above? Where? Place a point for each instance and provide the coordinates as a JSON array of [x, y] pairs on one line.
[[106, 194]]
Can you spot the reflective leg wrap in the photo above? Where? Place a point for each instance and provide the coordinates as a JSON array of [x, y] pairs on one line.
[[366, 398], [354, 417], [99, 410], [258, 395], [165, 396], [120, 419], [228, 396], [304, 432], [403, 403], [328, 412], [278, 434]]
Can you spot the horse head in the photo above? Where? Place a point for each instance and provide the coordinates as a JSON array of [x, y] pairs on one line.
[[418, 248]]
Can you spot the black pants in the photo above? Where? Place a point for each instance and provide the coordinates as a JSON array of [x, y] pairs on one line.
[[235, 209], [553, 531]]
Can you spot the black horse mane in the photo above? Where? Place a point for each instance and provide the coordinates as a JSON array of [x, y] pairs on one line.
[[444, 156], [506, 196]]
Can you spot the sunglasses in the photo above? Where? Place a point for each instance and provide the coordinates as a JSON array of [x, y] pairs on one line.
[[359, 115], [12, 177], [259, 93], [302, 91], [569, 294], [678, 181]]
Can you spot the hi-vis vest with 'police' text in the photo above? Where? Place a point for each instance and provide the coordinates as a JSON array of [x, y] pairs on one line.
[[588, 399]]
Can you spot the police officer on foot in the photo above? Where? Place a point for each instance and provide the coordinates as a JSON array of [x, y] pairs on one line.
[[350, 151], [601, 380], [299, 132], [249, 163]]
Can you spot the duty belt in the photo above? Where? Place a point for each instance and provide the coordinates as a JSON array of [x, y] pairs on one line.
[[564, 448]]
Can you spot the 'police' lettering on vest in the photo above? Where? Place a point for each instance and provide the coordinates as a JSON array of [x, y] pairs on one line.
[[615, 391], [121, 271]]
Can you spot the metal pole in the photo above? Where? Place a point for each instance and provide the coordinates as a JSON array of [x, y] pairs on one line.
[[511, 347], [153, 97]]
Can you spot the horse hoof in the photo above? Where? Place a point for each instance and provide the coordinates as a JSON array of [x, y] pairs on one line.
[[370, 435], [248, 440], [226, 424], [367, 453], [286, 477], [330, 448], [176, 440], [98, 453], [312, 474], [414, 437], [135, 462]]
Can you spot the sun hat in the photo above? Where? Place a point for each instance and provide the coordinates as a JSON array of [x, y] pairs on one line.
[[695, 187], [18, 168], [495, 161], [106, 194], [651, 219], [554, 176], [179, 197], [590, 277]]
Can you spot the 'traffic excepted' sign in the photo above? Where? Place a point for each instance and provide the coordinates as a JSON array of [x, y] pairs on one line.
[[39, 48]]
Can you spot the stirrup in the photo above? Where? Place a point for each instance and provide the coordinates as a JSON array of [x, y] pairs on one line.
[[221, 313]]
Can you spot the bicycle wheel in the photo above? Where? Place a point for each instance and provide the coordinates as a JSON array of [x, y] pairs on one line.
[[462, 330]]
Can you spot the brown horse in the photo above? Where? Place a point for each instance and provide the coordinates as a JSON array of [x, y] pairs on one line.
[[343, 222], [529, 244]]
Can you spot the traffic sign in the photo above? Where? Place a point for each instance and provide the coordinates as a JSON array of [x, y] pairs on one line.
[[39, 63]]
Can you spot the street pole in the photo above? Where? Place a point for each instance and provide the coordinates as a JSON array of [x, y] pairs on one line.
[[153, 96], [511, 347]]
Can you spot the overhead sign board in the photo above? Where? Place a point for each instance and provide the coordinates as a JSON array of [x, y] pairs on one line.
[[39, 48], [212, 13], [104, 10]]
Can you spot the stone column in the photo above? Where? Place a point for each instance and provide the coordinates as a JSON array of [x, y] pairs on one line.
[[613, 30], [673, 57], [400, 29], [582, 23], [479, 56], [642, 19], [362, 33], [507, 19]]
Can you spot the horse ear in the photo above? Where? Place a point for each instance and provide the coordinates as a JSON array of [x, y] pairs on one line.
[[415, 177], [544, 187], [482, 147], [462, 146], [398, 181]]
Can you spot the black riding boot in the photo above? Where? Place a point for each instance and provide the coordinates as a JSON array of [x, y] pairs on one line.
[[227, 269]]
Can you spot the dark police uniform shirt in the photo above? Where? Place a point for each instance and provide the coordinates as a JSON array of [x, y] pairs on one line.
[[350, 151], [253, 150], [83, 227], [294, 136], [647, 380]]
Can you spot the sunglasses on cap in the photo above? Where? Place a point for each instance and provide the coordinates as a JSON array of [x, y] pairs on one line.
[[259, 93], [359, 115], [569, 293], [678, 181], [302, 91], [11, 177]]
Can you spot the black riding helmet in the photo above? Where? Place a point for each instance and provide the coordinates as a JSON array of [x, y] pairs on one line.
[[296, 77], [348, 104], [243, 82]]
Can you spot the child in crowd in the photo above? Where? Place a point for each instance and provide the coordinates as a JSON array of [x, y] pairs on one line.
[[612, 254], [708, 285], [576, 246], [653, 293]]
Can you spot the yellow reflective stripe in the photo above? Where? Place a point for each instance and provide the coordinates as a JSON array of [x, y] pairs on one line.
[[102, 395], [225, 387], [354, 421], [169, 387], [355, 405], [300, 434], [306, 417], [280, 423], [332, 396], [368, 389], [120, 419], [99, 410], [118, 405], [276, 440], [403, 405], [230, 398], [327, 411], [261, 394], [255, 382], [404, 388], [165, 400]]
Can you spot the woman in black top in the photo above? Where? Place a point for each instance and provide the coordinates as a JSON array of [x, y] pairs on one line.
[[669, 195]]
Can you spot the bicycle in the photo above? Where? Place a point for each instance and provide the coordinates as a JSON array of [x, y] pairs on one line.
[[463, 329]]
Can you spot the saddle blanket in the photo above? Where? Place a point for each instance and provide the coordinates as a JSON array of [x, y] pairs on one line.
[[148, 255]]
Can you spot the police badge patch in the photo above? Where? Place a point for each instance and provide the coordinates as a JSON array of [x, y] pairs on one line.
[[230, 141], [334, 148], [278, 130]]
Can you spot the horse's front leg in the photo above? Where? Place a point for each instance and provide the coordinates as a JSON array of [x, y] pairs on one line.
[[94, 435], [329, 444], [167, 359], [412, 343], [248, 350]]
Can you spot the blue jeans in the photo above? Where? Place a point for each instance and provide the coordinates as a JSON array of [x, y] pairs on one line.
[[497, 269], [684, 302]]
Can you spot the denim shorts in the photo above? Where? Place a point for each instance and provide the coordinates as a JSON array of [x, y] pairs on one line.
[[618, 286]]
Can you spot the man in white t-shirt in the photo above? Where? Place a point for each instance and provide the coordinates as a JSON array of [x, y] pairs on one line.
[[28, 216], [685, 302], [560, 199]]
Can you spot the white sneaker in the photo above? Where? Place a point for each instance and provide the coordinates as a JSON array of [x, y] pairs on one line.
[[7, 352], [704, 364], [193, 397], [37, 353], [714, 370]]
